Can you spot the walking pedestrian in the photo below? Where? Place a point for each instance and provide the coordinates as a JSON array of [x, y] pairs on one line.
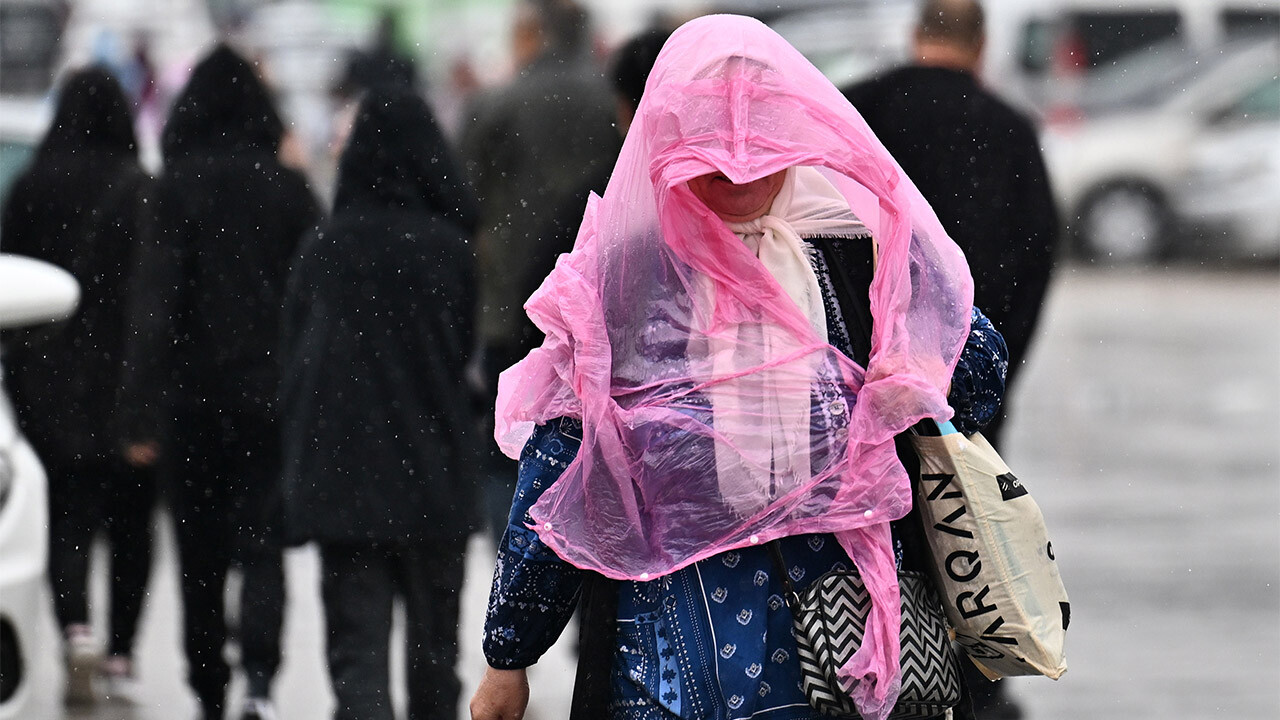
[[207, 303], [977, 161], [722, 368], [378, 469], [523, 168], [558, 228], [80, 206]]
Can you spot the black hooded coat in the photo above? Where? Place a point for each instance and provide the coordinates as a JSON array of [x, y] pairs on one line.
[[78, 206], [209, 291], [377, 327]]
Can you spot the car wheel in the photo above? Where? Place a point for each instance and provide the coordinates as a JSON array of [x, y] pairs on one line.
[[12, 671], [1123, 223]]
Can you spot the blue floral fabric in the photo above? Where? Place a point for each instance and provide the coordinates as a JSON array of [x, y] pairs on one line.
[[534, 592], [977, 385], [714, 640]]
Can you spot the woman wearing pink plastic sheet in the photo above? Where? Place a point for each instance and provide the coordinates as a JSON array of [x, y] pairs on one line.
[[722, 367]]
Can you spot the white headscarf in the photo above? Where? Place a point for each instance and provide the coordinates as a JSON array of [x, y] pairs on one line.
[[754, 466]]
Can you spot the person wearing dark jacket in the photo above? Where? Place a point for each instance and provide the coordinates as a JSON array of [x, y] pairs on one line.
[[529, 147], [79, 206], [207, 304], [556, 231], [978, 163], [377, 328]]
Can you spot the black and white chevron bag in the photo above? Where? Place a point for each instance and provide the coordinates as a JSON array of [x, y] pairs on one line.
[[830, 619]]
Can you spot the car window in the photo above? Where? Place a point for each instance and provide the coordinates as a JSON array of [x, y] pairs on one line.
[[1239, 22], [1104, 36], [1039, 43], [1141, 78], [29, 35], [1168, 70], [1259, 105], [14, 157]]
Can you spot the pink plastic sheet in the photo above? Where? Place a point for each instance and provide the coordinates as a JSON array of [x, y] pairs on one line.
[[686, 361]]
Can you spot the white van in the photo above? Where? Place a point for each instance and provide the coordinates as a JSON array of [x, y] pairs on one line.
[[1034, 47]]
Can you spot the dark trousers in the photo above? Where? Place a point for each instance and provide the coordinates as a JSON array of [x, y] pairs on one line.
[[359, 587], [226, 506], [117, 500]]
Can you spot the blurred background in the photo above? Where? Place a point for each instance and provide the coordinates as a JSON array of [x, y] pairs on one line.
[[1146, 421]]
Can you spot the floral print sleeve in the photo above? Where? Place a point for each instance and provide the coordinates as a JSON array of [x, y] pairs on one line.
[[534, 592], [977, 385]]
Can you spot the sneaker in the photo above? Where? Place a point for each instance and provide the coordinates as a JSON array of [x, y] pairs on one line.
[[259, 709], [117, 672], [83, 659]]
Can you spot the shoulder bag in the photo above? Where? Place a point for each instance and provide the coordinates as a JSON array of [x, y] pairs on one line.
[[830, 618]]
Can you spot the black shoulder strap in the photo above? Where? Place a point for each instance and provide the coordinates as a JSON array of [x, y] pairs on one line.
[[850, 263], [598, 615], [780, 565]]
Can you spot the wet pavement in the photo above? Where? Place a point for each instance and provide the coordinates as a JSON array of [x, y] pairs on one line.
[[1146, 428]]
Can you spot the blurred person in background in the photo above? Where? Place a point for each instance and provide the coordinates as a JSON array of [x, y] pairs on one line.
[[381, 65], [376, 419], [978, 163], [528, 147], [629, 67], [207, 301], [80, 205], [632, 63]]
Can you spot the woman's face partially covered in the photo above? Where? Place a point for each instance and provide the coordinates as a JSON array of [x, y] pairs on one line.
[[737, 203]]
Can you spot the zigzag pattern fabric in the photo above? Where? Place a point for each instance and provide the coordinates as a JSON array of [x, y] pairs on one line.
[[829, 624]]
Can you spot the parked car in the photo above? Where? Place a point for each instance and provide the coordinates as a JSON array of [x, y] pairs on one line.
[[31, 291], [1037, 49], [1232, 188], [1116, 171]]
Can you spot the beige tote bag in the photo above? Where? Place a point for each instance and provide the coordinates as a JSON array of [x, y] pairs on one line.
[[994, 563]]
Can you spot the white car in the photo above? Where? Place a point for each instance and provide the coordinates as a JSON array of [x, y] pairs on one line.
[[1116, 173], [31, 291], [1232, 188]]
